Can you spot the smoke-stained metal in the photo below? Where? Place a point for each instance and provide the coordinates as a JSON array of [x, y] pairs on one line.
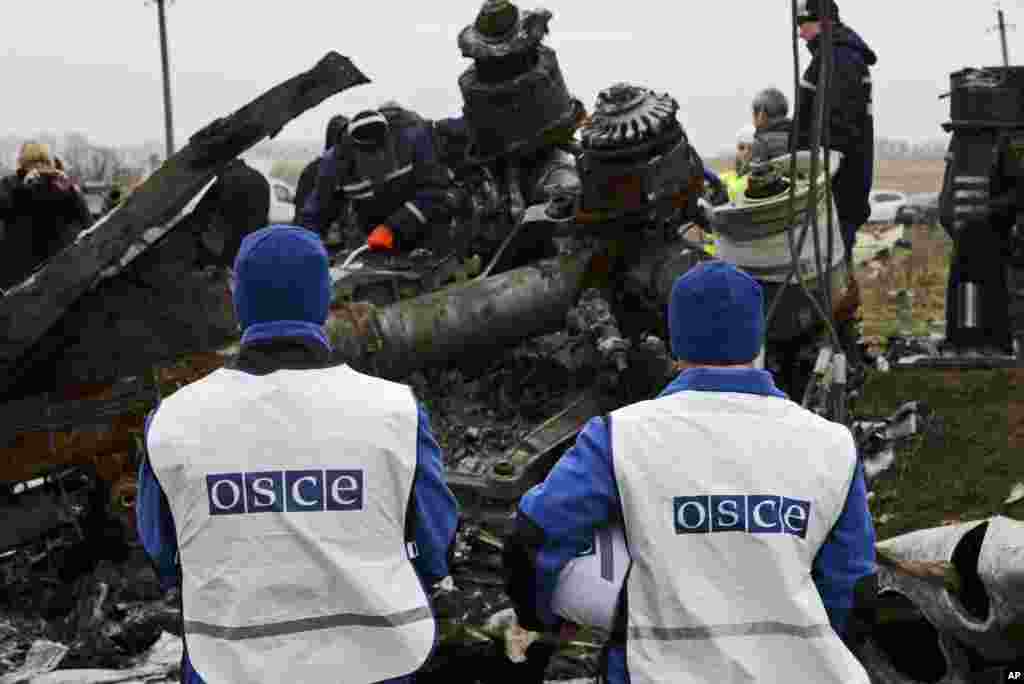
[[980, 203], [635, 155], [515, 100], [459, 321]]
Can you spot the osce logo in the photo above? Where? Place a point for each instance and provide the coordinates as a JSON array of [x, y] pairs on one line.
[[281, 491], [756, 514]]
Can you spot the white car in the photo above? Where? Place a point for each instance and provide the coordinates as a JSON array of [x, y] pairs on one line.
[[282, 202], [885, 204]]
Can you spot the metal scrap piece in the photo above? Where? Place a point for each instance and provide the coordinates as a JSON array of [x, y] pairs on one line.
[[43, 657], [988, 614]]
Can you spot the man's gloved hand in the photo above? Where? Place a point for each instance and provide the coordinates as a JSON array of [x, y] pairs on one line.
[[382, 239]]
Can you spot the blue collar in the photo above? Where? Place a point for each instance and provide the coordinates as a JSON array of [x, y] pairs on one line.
[[272, 330], [742, 380]]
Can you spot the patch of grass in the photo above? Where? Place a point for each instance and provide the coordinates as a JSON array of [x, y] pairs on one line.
[[923, 269], [966, 471]]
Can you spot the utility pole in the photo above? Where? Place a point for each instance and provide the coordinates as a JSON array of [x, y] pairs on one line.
[[168, 117], [1001, 26]]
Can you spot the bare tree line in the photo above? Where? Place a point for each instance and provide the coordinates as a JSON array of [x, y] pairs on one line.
[[84, 160], [891, 148], [87, 161]]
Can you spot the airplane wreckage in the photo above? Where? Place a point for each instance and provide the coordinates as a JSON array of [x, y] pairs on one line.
[[568, 234]]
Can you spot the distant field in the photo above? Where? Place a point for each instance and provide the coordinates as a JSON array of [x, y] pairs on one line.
[[907, 175]]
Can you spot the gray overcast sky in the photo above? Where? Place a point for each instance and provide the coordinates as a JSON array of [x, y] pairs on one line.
[[95, 66]]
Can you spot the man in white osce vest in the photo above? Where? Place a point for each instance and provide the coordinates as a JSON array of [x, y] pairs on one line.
[[300, 506], [745, 515]]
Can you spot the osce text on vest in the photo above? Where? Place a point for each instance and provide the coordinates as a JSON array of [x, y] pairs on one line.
[[285, 491], [757, 514]]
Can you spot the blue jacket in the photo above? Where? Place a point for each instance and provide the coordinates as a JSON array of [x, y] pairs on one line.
[[426, 189], [580, 494], [436, 518], [851, 122]]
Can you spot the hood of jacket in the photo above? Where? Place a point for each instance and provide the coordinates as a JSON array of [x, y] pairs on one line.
[[846, 39]]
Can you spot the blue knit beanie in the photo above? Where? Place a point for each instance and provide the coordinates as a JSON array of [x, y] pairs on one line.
[[716, 315], [282, 274]]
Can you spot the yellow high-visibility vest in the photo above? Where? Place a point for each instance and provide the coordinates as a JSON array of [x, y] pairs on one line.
[[735, 185]]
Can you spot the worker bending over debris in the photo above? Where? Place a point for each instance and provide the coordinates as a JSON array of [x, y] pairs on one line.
[[300, 506], [387, 169], [307, 179], [745, 514]]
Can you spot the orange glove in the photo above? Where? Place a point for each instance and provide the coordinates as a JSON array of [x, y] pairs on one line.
[[381, 239]]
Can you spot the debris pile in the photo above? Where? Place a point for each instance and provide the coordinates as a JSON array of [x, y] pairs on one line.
[[879, 440], [109, 617], [109, 624], [114, 618]]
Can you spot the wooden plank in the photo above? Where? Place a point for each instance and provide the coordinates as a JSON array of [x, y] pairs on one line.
[[31, 308]]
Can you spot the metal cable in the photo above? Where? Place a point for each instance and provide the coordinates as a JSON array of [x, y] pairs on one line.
[[819, 132], [794, 277]]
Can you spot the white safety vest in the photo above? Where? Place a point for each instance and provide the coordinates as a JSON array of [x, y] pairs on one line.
[[289, 494], [727, 498]]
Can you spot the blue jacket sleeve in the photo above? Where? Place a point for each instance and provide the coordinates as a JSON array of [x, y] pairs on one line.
[[437, 512], [155, 524], [578, 496], [321, 207], [847, 555], [428, 203], [711, 177]]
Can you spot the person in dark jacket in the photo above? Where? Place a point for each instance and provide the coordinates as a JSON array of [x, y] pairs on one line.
[[851, 128], [772, 125], [41, 211], [236, 205], [307, 181], [389, 171]]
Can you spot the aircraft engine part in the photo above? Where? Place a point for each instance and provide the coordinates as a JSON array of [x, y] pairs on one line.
[[514, 96], [635, 155], [987, 614], [463, 320]]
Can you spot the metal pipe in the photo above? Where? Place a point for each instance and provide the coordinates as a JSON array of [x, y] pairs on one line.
[[1002, 38], [969, 305], [165, 61], [468, 320]]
